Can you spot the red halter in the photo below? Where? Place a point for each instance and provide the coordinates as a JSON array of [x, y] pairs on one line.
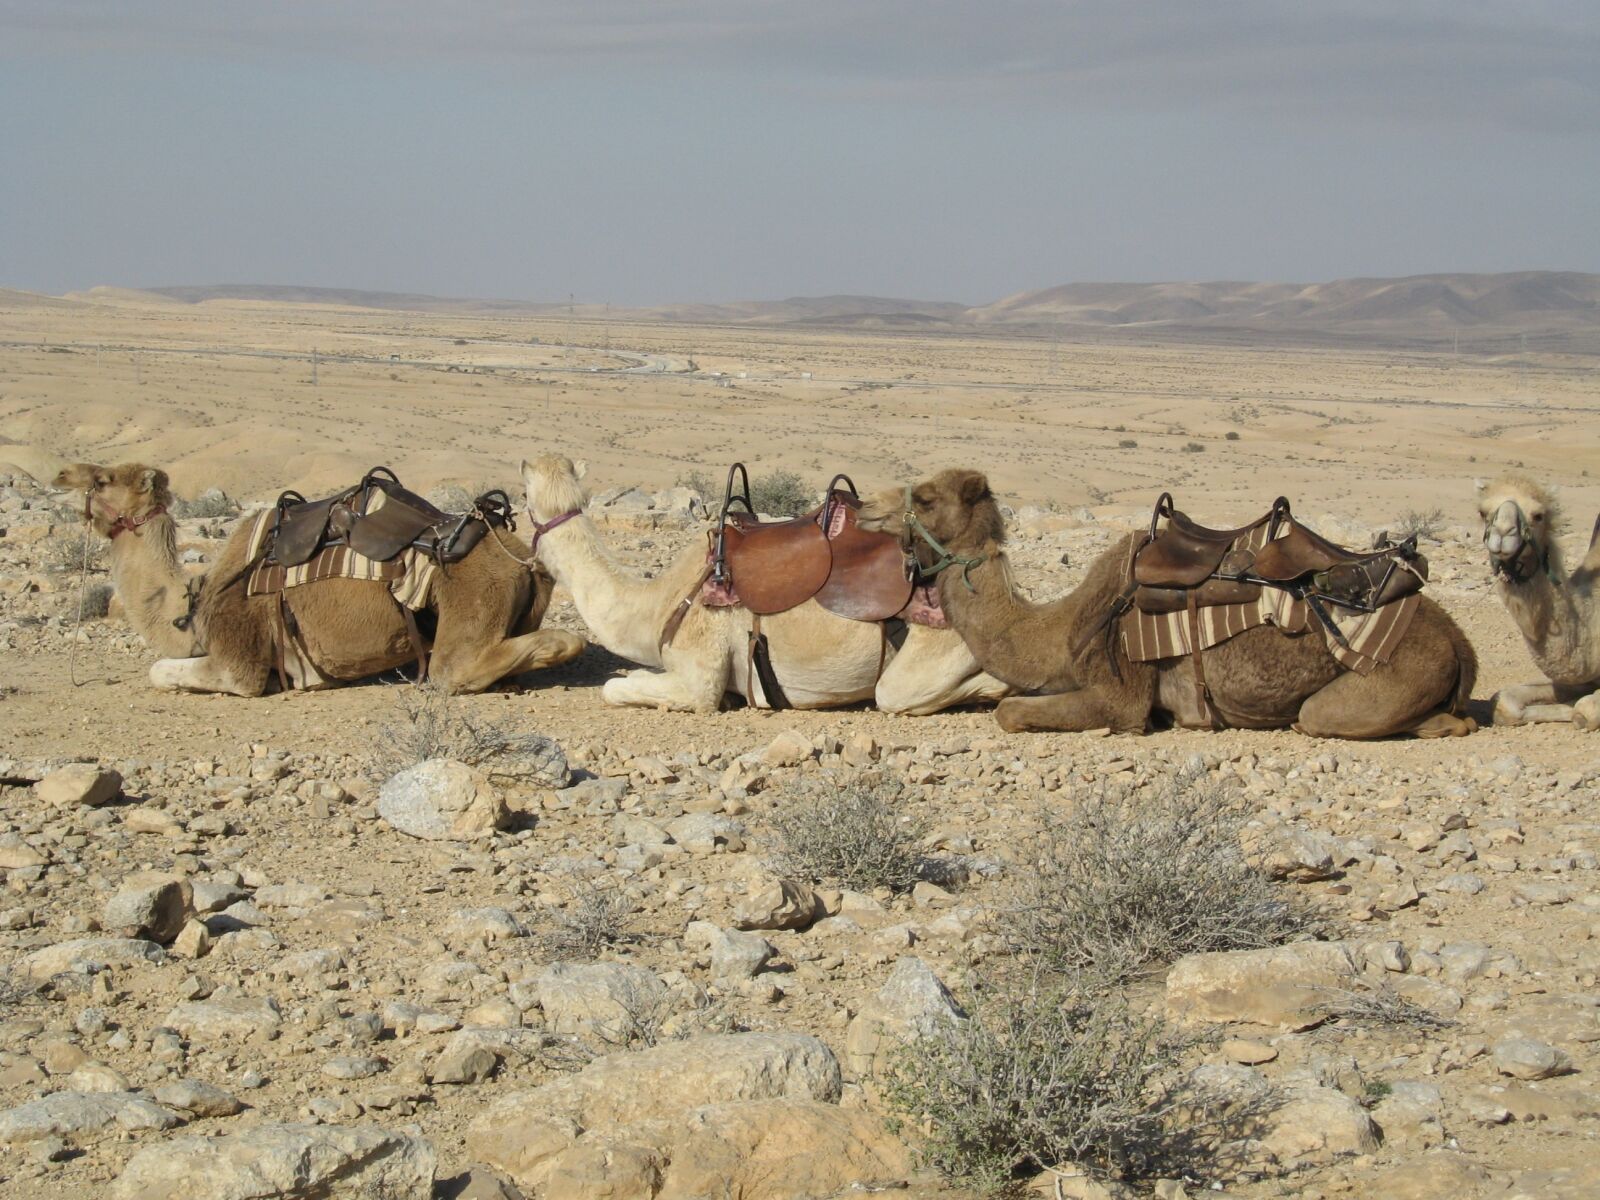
[[123, 523], [540, 529]]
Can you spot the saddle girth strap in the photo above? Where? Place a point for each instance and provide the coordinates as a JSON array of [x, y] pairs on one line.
[[681, 610], [1208, 711], [418, 646], [761, 667]]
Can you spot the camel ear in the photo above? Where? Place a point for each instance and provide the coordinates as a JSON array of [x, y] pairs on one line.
[[152, 479], [974, 487], [580, 468], [77, 475], [526, 471]]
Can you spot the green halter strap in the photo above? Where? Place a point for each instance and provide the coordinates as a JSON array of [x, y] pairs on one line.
[[945, 559]]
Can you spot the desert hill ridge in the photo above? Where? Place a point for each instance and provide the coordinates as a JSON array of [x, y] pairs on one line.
[[1561, 309]]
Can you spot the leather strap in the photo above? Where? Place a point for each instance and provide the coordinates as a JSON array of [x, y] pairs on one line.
[[681, 610], [418, 646], [542, 528], [124, 524], [280, 639], [761, 667]]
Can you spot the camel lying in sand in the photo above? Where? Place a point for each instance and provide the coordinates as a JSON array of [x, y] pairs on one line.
[[488, 606], [1260, 679], [1558, 613], [821, 660]]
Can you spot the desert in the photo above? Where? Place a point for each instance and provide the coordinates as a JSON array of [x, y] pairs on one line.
[[383, 941]]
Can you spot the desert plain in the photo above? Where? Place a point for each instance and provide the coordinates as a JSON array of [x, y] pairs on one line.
[[354, 976]]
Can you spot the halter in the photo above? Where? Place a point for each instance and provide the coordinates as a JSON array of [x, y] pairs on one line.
[[544, 527], [946, 559], [123, 523], [1513, 571]]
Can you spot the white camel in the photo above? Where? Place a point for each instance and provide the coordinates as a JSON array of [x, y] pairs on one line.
[[821, 660], [1558, 613]]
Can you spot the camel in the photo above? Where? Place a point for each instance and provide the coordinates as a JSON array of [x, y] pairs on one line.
[[821, 660], [488, 606], [1558, 613], [1260, 679]]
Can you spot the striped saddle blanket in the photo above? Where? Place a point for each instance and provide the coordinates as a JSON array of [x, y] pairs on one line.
[[410, 574], [1370, 638]]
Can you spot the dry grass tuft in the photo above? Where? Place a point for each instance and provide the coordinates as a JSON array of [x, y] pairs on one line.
[[858, 835]]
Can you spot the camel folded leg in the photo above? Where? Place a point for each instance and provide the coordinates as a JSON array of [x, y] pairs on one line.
[[680, 690], [933, 671], [1382, 704], [1071, 712], [1538, 703], [203, 674], [465, 669]]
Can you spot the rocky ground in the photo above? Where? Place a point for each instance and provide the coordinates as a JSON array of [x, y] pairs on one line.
[[239, 947]]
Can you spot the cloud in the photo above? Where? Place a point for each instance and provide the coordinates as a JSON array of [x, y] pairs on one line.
[[1529, 64]]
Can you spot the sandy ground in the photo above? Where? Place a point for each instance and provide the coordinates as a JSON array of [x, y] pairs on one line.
[[1364, 437]]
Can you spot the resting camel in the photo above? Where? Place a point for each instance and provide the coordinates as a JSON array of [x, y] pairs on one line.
[[1559, 614], [488, 607], [1260, 679], [822, 660]]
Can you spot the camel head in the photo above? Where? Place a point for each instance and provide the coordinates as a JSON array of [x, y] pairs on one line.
[[955, 507], [1519, 527], [552, 488], [118, 498]]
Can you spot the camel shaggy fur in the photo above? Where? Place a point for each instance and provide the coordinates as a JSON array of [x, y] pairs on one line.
[[488, 606], [822, 660], [1261, 679], [1558, 613]]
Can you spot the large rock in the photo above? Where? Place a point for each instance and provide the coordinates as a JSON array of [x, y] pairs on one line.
[[773, 1149], [780, 904], [1254, 1127], [80, 1115], [87, 955], [283, 1162], [79, 784], [150, 906], [227, 1018], [522, 1132], [442, 800], [1285, 987], [913, 1003], [608, 1001], [735, 956], [1525, 1058]]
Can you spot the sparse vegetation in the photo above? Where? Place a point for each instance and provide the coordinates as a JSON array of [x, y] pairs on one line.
[[1381, 1007], [780, 494], [431, 723], [1128, 444], [1040, 1074], [596, 914], [97, 601], [1425, 525], [857, 835], [1231, 436], [66, 553], [210, 504], [1124, 881], [1194, 448], [700, 483]]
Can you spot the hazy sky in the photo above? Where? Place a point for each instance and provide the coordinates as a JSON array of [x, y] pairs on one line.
[[649, 150]]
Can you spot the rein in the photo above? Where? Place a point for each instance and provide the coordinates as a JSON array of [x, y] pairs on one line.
[[946, 559]]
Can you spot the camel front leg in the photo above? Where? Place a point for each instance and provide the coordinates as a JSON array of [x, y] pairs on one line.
[[1533, 704], [1586, 713], [466, 672], [1070, 712], [933, 671], [690, 683], [203, 674]]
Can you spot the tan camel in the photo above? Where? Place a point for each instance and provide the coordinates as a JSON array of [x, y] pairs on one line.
[[822, 660], [488, 607], [1261, 679], [1558, 613]]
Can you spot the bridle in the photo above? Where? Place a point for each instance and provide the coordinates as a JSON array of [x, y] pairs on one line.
[[915, 528], [1520, 569], [123, 523], [540, 528]]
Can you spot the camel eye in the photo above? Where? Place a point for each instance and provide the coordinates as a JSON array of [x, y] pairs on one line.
[[1538, 516]]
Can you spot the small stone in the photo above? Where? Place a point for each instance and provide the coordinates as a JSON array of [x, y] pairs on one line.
[[441, 800], [193, 940], [466, 1062], [788, 749], [344, 1066], [198, 1098], [734, 956], [152, 908], [780, 904], [1250, 1054]]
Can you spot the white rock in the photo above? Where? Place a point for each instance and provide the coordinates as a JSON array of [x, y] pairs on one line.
[[76, 1114], [442, 800]]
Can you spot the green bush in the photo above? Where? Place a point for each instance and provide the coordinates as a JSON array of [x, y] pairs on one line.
[[781, 494]]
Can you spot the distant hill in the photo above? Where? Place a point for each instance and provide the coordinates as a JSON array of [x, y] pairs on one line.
[[1560, 309]]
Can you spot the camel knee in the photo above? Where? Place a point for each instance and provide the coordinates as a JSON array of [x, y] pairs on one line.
[[1586, 713]]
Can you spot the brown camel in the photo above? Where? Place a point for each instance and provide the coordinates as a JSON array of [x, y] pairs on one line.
[[488, 607], [1261, 679]]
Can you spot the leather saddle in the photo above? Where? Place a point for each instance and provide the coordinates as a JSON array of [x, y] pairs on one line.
[[1181, 559], [378, 519], [824, 555]]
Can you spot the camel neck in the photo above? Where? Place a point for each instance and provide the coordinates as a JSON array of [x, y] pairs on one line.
[[1556, 620], [150, 580], [1006, 633], [624, 612]]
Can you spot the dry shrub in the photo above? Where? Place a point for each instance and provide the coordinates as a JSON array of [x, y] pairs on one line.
[[858, 835], [210, 504], [1380, 1007], [1126, 880], [1040, 1075], [1423, 525], [597, 914], [781, 494], [431, 723], [66, 553]]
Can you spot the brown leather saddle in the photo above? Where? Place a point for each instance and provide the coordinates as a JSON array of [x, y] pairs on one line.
[[1183, 564], [824, 555], [378, 519]]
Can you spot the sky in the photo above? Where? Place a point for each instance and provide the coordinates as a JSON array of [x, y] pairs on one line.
[[651, 151]]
